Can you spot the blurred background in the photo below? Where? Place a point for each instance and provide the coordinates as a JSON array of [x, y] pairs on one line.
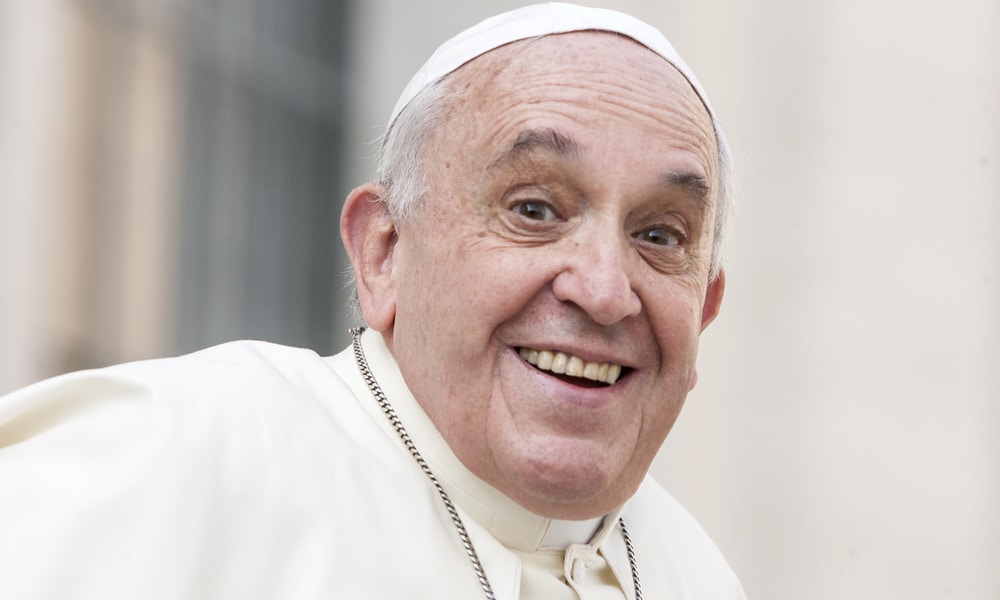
[[172, 171]]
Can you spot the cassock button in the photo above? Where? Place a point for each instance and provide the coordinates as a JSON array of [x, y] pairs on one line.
[[580, 567]]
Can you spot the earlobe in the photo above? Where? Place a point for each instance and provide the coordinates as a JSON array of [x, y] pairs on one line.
[[369, 235], [713, 299]]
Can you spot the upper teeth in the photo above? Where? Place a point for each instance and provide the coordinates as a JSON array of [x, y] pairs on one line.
[[574, 366]]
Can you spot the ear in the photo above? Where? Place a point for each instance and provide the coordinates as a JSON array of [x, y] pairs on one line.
[[369, 235], [710, 310], [713, 299]]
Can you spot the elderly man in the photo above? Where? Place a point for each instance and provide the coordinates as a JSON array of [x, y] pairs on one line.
[[535, 265]]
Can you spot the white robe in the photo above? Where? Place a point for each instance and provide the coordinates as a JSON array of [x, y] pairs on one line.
[[256, 471]]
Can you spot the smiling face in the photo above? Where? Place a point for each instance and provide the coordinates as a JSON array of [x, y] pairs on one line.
[[545, 301]]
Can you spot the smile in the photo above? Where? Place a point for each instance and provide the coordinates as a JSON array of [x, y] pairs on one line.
[[561, 363]]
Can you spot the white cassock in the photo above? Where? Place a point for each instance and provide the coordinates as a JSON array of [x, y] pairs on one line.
[[256, 471]]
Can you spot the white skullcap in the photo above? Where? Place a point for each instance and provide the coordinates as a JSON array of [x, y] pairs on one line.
[[538, 20]]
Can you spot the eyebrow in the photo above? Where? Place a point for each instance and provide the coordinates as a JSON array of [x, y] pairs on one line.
[[549, 140], [693, 184], [531, 140]]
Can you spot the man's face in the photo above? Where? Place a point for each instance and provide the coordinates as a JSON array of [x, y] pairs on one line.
[[568, 220]]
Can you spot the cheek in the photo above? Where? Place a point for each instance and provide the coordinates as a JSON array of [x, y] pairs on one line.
[[675, 319], [493, 280], [462, 291], [426, 264]]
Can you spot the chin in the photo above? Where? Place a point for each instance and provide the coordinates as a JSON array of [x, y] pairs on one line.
[[576, 488]]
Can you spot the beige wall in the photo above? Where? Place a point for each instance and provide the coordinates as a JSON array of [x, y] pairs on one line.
[[843, 441]]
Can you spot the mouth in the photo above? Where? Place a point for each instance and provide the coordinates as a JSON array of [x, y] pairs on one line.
[[573, 369]]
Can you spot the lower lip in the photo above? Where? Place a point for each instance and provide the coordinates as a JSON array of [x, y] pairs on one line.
[[593, 398]]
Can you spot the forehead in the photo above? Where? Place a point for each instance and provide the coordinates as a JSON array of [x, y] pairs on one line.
[[589, 82]]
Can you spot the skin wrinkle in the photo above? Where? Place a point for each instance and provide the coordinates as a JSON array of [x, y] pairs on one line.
[[398, 160], [561, 105], [544, 138], [683, 135], [521, 50], [528, 159], [470, 280], [680, 138], [689, 107]]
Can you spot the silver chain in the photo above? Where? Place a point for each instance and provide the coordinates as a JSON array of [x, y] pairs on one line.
[[631, 559], [397, 424]]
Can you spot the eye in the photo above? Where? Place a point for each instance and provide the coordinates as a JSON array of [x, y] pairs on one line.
[[661, 236], [534, 210]]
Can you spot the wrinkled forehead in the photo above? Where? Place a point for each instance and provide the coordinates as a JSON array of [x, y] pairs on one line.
[[535, 21]]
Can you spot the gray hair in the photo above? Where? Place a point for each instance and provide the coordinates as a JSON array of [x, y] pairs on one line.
[[401, 158], [401, 170]]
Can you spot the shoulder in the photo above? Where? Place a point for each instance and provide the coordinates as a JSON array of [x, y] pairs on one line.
[[220, 397], [215, 373], [243, 365], [230, 401], [686, 555], [659, 509], [247, 452], [216, 361]]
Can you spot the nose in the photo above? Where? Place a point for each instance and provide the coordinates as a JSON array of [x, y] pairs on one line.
[[596, 278]]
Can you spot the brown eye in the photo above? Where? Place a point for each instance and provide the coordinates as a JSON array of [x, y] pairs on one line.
[[661, 236], [536, 211]]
